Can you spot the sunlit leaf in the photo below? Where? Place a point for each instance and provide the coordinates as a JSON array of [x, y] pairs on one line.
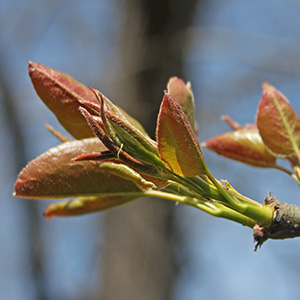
[[134, 142], [177, 144], [117, 111], [116, 150], [183, 94], [106, 155], [125, 172], [244, 145], [278, 123], [55, 175], [85, 205], [60, 92]]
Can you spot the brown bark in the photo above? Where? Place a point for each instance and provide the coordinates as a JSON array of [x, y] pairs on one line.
[[285, 223]]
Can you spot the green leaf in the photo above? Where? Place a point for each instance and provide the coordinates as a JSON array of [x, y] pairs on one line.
[[244, 145], [178, 146], [55, 175], [278, 123], [134, 142], [183, 94], [127, 173]]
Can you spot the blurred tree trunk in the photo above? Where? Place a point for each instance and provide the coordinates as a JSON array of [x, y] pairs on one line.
[[30, 209], [139, 260]]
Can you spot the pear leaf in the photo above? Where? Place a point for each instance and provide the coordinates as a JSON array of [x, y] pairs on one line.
[[244, 145], [60, 92], [278, 123], [63, 95], [55, 174], [178, 146], [85, 205], [183, 94]]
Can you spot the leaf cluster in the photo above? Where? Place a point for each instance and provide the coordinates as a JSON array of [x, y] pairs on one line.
[[111, 160], [276, 135]]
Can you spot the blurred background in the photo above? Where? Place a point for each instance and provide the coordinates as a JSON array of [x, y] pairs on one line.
[[149, 249]]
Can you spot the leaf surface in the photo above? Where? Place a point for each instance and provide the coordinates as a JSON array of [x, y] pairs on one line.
[[177, 144], [60, 92], [55, 175], [183, 94], [278, 123], [85, 205], [244, 145]]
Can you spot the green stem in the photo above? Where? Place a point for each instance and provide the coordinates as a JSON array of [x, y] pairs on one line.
[[232, 201], [185, 181], [257, 211], [209, 190], [247, 207], [179, 189], [294, 176], [211, 207], [297, 171]]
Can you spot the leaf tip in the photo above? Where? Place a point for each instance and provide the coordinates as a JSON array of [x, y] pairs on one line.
[[47, 214], [18, 187]]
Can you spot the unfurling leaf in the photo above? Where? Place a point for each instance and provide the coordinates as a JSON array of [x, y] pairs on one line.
[[278, 123], [127, 173], [60, 92], [134, 142], [178, 146], [183, 94], [116, 150], [117, 111], [55, 174], [85, 205], [63, 95], [244, 145]]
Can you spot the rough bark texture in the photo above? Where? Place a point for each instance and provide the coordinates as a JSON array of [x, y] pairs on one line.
[[139, 257], [286, 222]]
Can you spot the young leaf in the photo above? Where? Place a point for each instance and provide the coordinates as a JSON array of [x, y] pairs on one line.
[[183, 94], [117, 111], [127, 173], [244, 145], [278, 123], [60, 92], [85, 205], [63, 95], [115, 149], [178, 146], [55, 175], [107, 156], [134, 142]]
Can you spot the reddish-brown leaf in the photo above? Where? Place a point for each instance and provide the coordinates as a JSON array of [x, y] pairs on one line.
[[55, 175], [183, 94], [278, 123], [60, 92], [244, 145], [177, 144]]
